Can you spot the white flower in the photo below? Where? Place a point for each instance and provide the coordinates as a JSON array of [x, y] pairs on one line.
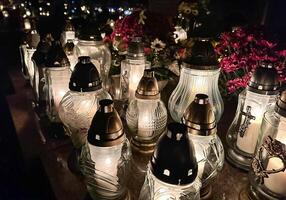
[[157, 45]]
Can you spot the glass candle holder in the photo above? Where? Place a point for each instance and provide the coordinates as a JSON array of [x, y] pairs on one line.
[[57, 84], [172, 172], [68, 33], [132, 69], [69, 49], [242, 135], [24, 59], [79, 105], [106, 154], [38, 62], [93, 46], [146, 115], [199, 74], [200, 120], [268, 173]]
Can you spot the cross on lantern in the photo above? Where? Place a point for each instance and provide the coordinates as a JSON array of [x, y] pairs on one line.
[[246, 121]]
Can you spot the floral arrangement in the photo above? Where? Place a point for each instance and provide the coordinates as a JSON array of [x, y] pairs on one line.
[[240, 52], [160, 48]]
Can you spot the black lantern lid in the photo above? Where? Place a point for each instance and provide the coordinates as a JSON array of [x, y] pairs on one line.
[[68, 26], [148, 86], [174, 160], [264, 80], [135, 48], [40, 55], [56, 56], [90, 33], [281, 104], [69, 47], [201, 55], [85, 77], [199, 116], [106, 127]]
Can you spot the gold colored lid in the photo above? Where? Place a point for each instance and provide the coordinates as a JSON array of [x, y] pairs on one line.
[[199, 117], [148, 86]]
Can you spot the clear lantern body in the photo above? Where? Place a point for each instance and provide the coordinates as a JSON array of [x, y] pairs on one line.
[[155, 189], [30, 64], [76, 111], [146, 120], [57, 84], [99, 55], [132, 70], [192, 82], [210, 156], [268, 174], [67, 35], [24, 59], [105, 170], [243, 133]]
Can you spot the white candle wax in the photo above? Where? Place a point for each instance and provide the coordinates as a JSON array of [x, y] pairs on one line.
[[277, 182]]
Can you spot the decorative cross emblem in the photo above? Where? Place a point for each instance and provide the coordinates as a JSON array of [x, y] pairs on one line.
[[246, 121]]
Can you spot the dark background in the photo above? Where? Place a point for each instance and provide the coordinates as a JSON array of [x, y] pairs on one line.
[[18, 182]]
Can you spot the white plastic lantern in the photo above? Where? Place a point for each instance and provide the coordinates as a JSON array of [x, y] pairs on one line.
[[105, 155], [243, 133], [172, 172]]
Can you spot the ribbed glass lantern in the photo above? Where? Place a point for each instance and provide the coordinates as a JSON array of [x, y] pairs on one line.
[[91, 44], [268, 173], [132, 69], [146, 114], [172, 172], [243, 133], [200, 120], [106, 155], [80, 103], [68, 33], [199, 74]]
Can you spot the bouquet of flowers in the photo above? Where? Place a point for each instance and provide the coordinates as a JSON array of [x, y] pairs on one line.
[[240, 52]]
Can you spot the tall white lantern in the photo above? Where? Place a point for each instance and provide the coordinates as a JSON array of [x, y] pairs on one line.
[[243, 133]]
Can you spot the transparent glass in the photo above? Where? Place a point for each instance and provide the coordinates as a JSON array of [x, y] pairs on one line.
[[29, 62], [210, 156], [99, 55], [146, 120], [57, 84], [131, 74], [67, 35], [24, 58], [192, 82], [154, 189], [243, 133], [272, 164], [39, 86], [76, 111], [105, 170]]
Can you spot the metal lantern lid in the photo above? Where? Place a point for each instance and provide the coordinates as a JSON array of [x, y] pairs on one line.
[[56, 56], [135, 49], [281, 104], [174, 160], [42, 50], [201, 55], [85, 76], [69, 47], [148, 86], [264, 80], [69, 26], [199, 117], [90, 33], [106, 127]]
